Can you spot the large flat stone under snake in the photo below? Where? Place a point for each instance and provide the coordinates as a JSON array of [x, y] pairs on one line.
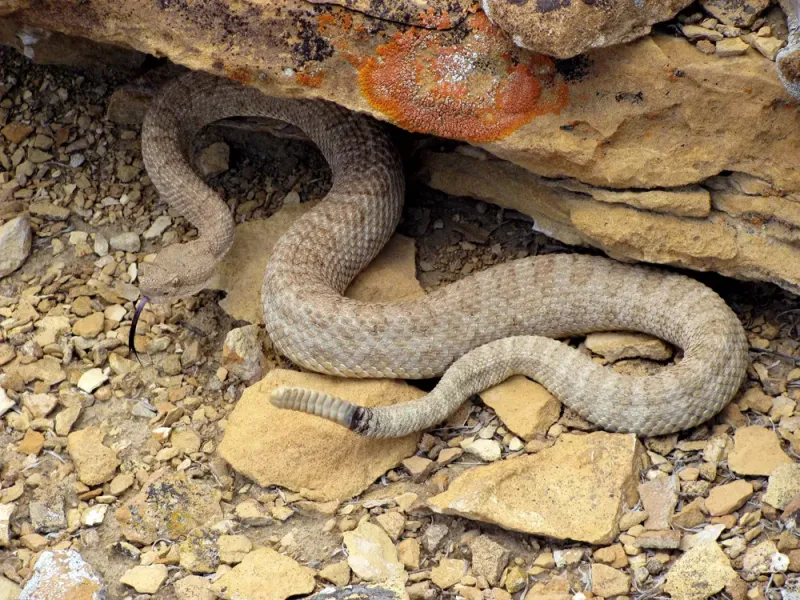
[[476, 332]]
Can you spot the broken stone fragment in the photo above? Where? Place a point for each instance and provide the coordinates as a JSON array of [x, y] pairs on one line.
[[15, 244], [63, 574], [556, 492], [328, 461]]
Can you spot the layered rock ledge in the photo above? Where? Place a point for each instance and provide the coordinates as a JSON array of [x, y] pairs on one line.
[[653, 150]]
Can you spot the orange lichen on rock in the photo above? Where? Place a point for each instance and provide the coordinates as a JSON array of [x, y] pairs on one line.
[[478, 89], [309, 80], [430, 18], [239, 75]]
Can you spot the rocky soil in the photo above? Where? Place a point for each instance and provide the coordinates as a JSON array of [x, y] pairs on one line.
[[171, 476]]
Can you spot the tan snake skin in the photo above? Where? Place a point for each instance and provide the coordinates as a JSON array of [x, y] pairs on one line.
[[477, 331]]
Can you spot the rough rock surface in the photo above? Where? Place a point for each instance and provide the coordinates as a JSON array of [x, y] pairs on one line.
[[783, 486], [725, 240], [96, 463], [607, 119], [524, 406], [168, 507], [549, 27], [332, 462], [15, 244], [247, 579], [372, 555], [756, 451], [576, 489], [63, 574], [699, 573]]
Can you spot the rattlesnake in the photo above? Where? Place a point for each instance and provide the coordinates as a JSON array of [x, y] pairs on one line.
[[477, 331]]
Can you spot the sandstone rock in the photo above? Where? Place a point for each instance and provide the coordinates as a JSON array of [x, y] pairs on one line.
[[448, 572], [613, 556], [199, 552], [390, 276], [524, 406], [724, 499], [213, 160], [94, 515], [337, 573], [699, 573], [607, 581], [328, 461], [92, 379], [409, 553], [364, 592], [243, 353], [614, 141], [48, 211], [127, 242], [145, 579], [372, 556], [756, 451], [393, 523], [576, 489], [489, 558], [89, 327], [6, 511], [169, 506], [731, 47], [39, 405], [66, 418], [768, 46], [15, 244], [95, 462], [233, 548], [764, 558], [433, 536], [550, 28], [9, 590], [614, 346], [783, 486], [193, 587], [487, 450], [158, 227], [658, 540], [16, 133], [246, 580], [723, 241], [47, 370], [659, 498], [63, 574], [418, 467], [31, 443], [710, 533], [738, 14], [47, 513], [695, 32]]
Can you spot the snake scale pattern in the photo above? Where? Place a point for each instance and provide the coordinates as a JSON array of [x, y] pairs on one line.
[[474, 333]]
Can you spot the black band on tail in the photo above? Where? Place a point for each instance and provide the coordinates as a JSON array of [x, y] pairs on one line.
[[132, 334], [359, 422]]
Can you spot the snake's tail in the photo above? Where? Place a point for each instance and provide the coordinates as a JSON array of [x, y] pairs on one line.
[[320, 404]]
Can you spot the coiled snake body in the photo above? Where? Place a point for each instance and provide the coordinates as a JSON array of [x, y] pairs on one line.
[[477, 331]]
